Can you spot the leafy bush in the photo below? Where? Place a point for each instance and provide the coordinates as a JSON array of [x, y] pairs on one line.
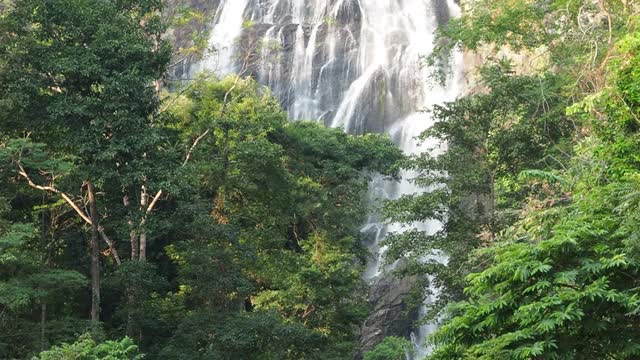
[[391, 348], [87, 349]]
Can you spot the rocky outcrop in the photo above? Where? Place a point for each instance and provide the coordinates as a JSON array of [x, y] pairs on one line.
[[523, 61], [392, 314]]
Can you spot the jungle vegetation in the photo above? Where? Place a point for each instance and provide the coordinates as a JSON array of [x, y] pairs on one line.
[[199, 223]]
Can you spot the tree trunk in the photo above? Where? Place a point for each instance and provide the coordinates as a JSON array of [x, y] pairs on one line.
[[131, 302], [492, 209], [138, 253], [95, 257], [43, 322], [134, 244], [45, 263], [143, 246], [144, 202]]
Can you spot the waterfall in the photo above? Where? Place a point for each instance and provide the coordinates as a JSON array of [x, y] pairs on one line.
[[352, 64]]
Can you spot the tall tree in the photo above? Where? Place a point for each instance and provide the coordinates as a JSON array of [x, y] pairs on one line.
[[77, 83]]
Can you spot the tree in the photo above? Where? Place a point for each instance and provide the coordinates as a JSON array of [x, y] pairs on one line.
[[77, 83], [562, 282]]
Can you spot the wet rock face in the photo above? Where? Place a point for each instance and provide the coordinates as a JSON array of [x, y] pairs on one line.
[[442, 11], [306, 55], [391, 315]]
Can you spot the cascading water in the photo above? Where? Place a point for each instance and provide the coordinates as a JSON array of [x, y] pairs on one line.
[[353, 64]]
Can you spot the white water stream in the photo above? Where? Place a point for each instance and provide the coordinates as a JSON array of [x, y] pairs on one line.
[[353, 64]]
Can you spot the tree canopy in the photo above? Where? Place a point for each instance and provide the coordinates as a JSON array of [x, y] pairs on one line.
[[539, 186], [199, 223]]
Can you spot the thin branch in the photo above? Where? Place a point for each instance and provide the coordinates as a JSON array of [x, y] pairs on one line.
[[195, 143], [604, 9]]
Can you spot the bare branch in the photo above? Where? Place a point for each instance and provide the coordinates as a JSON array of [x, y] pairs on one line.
[[112, 250], [195, 143], [66, 197], [22, 172], [154, 201]]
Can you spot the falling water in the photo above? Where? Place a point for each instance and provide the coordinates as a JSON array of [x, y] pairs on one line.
[[229, 24], [353, 64]]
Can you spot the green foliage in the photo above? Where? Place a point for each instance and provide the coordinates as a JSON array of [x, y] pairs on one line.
[[558, 281], [77, 80], [518, 124], [565, 292], [189, 32], [278, 214], [253, 246], [25, 283], [257, 335], [503, 23], [391, 348], [77, 103], [85, 348]]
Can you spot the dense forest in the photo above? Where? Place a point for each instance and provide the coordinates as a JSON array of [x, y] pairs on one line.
[[144, 217]]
